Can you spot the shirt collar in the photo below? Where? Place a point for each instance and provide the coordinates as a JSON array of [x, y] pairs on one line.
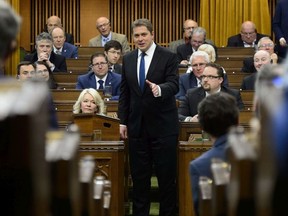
[[55, 49], [150, 50], [104, 78], [108, 38]]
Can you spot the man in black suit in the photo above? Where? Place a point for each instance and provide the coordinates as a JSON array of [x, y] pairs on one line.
[[261, 57], [55, 21], [148, 117], [113, 52], [248, 36], [44, 45], [211, 80]]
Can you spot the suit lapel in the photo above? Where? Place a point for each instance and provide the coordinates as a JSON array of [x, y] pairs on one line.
[[92, 80]]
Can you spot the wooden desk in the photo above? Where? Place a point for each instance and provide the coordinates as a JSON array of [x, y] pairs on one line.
[[67, 80], [230, 62], [235, 51], [87, 51], [247, 98], [109, 158], [235, 79], [78, 65]]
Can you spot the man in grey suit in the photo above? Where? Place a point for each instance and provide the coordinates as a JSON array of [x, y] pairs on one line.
[[148, 118], [211, 80], [104, 28]]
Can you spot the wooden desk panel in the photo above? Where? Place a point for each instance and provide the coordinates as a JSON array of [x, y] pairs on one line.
[[78, 65], [230, 62], [235, 51], [87, 51]]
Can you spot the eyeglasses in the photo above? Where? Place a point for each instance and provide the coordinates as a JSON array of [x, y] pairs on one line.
[[266, 45], [115, 53], [201, 65], [42, 72], [99, 64], [209, 77], [103, 25], [247, 33]]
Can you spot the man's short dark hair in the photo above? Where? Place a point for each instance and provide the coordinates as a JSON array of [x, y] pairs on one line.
[[97, 54], [24, 63], [217, 113], [112, 44], [218, 67]]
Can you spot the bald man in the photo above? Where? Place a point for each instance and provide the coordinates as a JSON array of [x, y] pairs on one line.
[[104, 28], [248, 36], [55, 21], [261, 57]]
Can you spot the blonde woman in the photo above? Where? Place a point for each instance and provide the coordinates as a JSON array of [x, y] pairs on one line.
[[89, 101], [209, 49]]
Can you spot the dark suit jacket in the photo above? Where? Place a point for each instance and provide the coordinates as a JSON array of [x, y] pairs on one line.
[[188, 81], [248, 65], [236, 41], [201, 166], [136, 108], [58, 60], [69, 38], [69, 51], [118, 68], [189, 106], [89, 81], [248, 82], [184, 51]]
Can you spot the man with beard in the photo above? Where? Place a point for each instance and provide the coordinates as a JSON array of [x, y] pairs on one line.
[[211, 80]]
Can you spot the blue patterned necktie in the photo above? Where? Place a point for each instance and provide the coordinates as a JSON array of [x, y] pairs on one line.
[[142, 71], [101, 84]]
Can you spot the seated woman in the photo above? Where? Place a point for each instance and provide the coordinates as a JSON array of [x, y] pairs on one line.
[[209, 49], [44, 72], [89, 101]]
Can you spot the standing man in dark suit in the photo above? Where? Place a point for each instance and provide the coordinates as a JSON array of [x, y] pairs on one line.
[[44, 44], [211, 81], [280, 27], [248, 36], [113, 52], [61, 47], [217, 113], [148, 118], [100, 77]]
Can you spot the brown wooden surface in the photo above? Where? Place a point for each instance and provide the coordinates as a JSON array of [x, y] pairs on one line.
[[78, 65], [230, 62], [109, 158], [86, 51], [235, 79], [235, 51], [247, 98]]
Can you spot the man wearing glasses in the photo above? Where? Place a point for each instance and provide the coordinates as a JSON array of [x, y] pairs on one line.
[[113, 52], [211, 80], [100, 77], [104, 28], [248, 36]]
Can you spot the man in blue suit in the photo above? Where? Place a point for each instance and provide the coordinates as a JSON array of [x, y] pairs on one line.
[[61, 47], [217, 113], [100, 76]]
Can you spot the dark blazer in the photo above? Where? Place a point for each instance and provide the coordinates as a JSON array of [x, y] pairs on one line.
[[137, 108], [69, 51], [69, 38], [236, 41], [189, 106], [89, 81], [184, 51], [248, 65], [118, 68], [188, 81], [201, 166], [248, 82], [58, 60]]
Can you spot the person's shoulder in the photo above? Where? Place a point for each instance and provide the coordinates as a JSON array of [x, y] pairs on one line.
[[113, 74], [86, 75], [118, 35], [176, 42], [195, 90], [234, 37], [94, 38]]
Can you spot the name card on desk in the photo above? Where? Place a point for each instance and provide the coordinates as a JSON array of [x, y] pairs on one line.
[[87, 123]]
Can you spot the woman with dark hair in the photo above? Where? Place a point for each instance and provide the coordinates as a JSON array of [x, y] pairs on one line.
[[44, 72]]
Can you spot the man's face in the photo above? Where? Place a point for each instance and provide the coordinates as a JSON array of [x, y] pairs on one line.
[[267, 45], [248, 33], [197, 40], [210, 80], [103, 26], [189, 25], [113, 55], [261, 58], [100, 66], [52, 23], [26, 72], [58, 38], [143, 38], [42, 72], [198, 64], [44, 46]]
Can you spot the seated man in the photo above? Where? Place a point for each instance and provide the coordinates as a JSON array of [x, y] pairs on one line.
[[55, 21], [113, 52], [261, 57], [211, 80], [44, 44], [265, 43], [104, 28], [248, 36], [217, 113], [61, 47], [100, 77], [184, 51], [25, 70], [191, 80]]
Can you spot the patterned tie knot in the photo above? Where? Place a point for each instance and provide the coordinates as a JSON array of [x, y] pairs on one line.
[[58, 52], [101, 84]]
